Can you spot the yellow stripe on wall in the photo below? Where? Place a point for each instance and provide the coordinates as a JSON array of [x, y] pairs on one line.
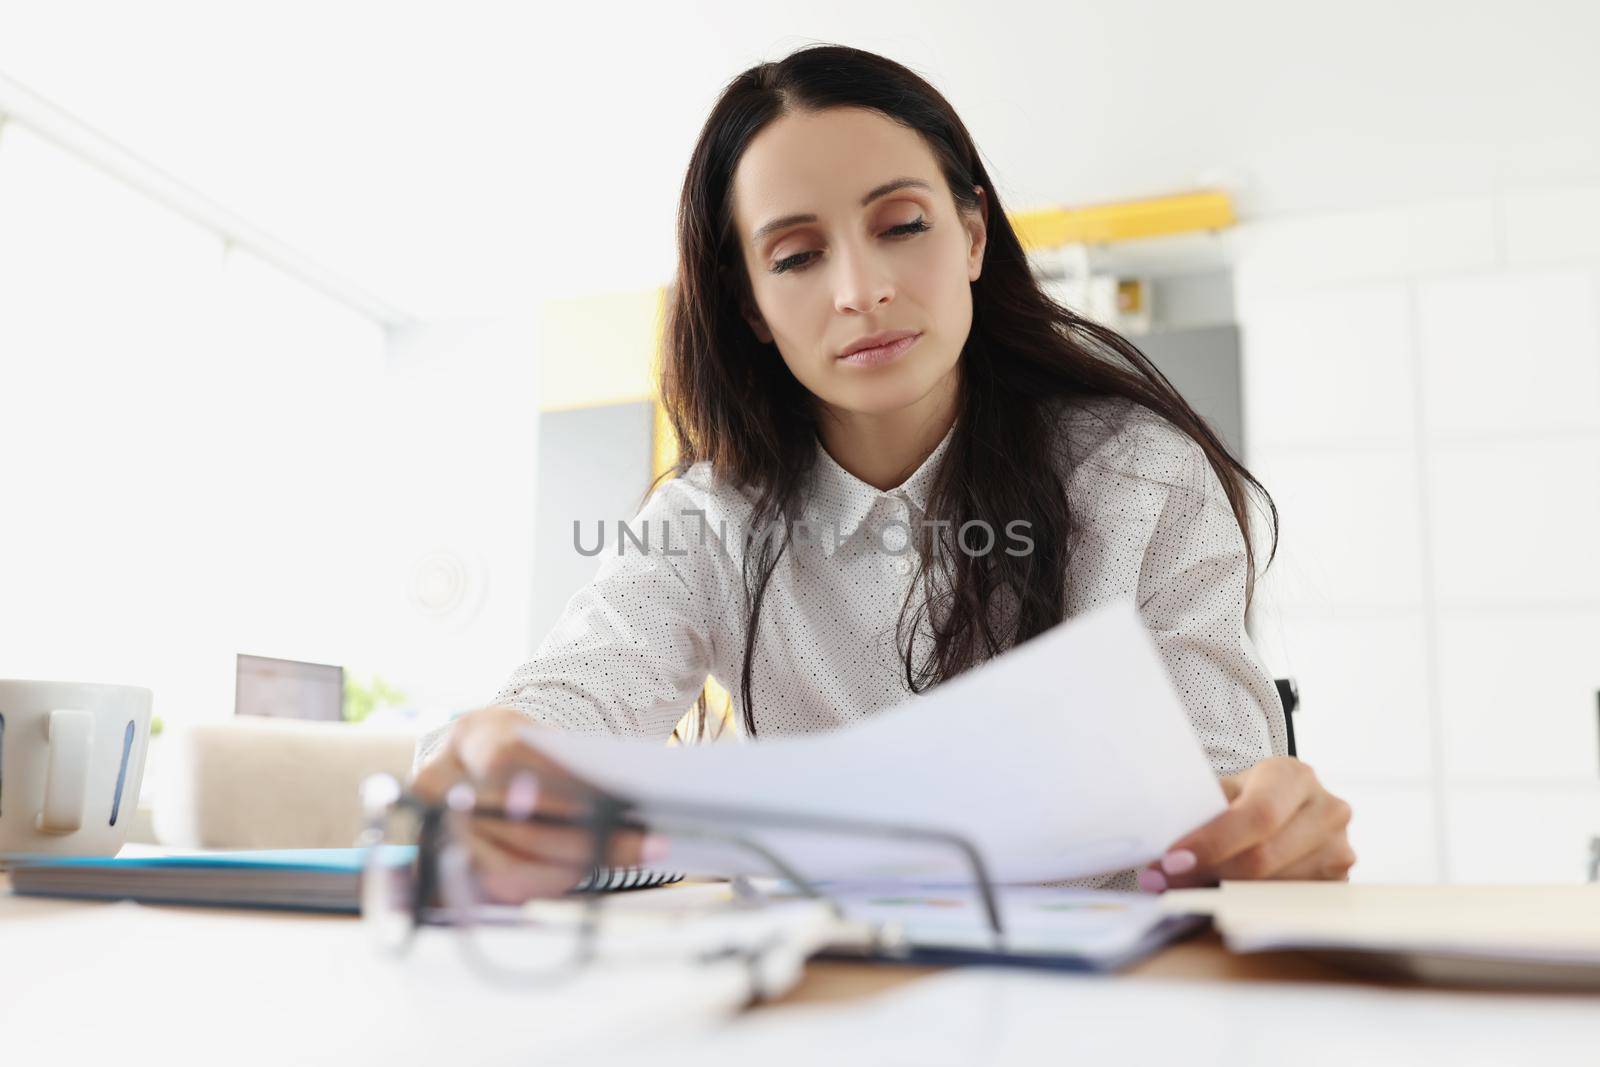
[[1102, 223], [599, 349], [664, 445]]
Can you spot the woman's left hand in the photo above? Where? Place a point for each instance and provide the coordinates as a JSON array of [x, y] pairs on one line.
[[1280, 823]]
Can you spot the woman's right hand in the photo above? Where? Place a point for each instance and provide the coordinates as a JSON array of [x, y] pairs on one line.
[[515, 861]]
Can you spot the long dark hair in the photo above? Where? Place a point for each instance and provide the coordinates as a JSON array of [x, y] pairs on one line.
[[733, 402]]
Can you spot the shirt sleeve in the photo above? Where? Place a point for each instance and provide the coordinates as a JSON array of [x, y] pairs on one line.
[[1192, 597], [1157, 527], [632, 648]]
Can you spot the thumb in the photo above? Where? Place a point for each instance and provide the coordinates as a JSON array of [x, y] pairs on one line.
[[436, 774]]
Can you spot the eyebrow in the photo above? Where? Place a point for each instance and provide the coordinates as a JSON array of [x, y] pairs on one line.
[[883, 190]]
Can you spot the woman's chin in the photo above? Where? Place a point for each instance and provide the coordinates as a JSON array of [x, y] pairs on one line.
[[880, 399], [888, 392]]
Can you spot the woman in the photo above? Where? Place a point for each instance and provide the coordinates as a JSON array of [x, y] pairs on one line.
[[859, 359]]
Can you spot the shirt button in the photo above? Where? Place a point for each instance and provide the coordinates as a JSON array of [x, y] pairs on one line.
[[903, 566], [894, 538]]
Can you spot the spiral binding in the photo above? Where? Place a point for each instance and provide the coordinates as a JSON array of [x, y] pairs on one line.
[[617, 879]]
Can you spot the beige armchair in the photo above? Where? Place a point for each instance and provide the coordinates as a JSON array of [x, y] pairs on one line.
[[269, 783]]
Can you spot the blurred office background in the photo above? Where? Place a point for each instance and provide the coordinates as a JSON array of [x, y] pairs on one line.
[[305, 308]]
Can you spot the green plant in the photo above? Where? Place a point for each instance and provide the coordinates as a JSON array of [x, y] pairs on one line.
[[362, 700]]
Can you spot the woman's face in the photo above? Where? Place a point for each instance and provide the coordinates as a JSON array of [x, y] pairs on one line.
[[848, 231]]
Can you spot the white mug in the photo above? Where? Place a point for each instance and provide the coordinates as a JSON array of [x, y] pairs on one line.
[[71, 760]]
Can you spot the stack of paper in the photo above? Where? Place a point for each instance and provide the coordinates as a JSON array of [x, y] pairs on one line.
[[1544, 934]]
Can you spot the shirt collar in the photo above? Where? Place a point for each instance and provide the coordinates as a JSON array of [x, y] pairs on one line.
[[839, 501]]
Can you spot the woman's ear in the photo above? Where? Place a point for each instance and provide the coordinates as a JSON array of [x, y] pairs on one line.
[[758, 325], [749, 311], [978, 230]]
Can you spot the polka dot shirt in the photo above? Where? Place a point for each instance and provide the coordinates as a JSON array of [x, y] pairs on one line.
[[632, 649]]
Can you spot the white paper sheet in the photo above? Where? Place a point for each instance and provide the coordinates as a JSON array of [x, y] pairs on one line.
[[1067, 756]]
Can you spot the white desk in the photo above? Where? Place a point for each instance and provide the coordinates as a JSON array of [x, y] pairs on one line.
[[1237, 1009]]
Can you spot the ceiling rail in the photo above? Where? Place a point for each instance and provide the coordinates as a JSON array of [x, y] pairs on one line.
[[31, 111]]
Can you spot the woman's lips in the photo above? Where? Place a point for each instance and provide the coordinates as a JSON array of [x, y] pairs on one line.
[[877, 357]]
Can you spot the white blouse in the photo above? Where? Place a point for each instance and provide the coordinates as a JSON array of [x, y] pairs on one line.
[[632, 649]]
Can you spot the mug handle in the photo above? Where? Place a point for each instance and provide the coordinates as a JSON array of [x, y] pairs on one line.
[[66, 782]]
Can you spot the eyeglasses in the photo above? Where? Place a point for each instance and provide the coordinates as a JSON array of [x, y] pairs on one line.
[[419, 872]]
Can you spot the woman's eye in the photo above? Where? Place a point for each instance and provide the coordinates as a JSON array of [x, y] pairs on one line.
[[790, 262], [916, 225], [799, 260]]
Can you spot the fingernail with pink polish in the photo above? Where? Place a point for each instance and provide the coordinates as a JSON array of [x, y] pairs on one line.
[[1151, 881], [1178, 861], [654, 848], [522, 795]]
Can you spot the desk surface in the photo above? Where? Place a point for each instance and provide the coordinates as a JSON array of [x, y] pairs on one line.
[[1221, 1007], [1199, 958]]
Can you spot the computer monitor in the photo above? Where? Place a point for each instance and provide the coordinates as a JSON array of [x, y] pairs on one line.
[[288, 689]]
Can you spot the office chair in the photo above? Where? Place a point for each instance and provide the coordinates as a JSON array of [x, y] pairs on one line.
[[1289, 694], [1594, 842]]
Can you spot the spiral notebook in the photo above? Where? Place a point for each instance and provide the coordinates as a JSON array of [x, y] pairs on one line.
[[318, 879]]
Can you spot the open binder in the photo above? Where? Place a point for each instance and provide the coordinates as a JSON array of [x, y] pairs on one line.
[[1036, 926], [975, 922]]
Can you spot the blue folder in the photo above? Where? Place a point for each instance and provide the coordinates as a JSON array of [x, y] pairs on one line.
[[299, 879], [295, 879]]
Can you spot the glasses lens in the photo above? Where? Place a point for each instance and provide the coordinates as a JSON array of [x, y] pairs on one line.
[[541, 937], [390, 874]]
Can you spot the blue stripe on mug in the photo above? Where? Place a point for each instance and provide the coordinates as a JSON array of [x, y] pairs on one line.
[[122, 772]]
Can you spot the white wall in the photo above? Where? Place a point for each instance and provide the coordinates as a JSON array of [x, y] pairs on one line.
[[1423, 400], [458, 158], [200, 457]]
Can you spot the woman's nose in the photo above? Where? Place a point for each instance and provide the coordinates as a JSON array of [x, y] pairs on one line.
[[862, 283]]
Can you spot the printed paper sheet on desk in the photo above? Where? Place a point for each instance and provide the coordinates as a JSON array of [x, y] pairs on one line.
[[1067, 756]]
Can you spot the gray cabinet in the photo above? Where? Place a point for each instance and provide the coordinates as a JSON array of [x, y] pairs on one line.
[[1203, 364]]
